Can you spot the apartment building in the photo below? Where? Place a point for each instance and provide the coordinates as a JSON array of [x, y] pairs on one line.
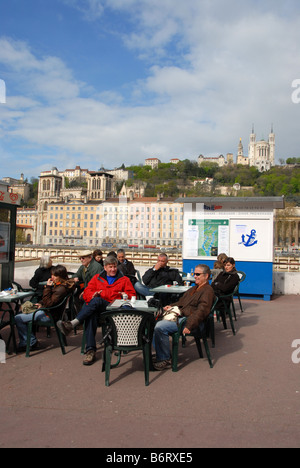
[[27, 222], [142, 222]]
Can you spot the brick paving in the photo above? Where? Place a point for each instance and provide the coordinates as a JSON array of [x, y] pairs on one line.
[[251, 398]]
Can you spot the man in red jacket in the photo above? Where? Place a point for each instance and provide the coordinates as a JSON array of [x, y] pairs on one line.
[[102, 290]]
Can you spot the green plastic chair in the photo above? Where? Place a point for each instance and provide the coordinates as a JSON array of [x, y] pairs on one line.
[[242, 276], [49, 324], [201, 333], [124, 331], [228, 304], [210, 325]]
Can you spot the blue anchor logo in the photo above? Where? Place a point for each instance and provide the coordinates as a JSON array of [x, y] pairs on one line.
[[251, 239]]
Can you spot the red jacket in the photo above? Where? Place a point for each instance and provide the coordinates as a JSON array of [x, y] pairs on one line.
[[109, 292]]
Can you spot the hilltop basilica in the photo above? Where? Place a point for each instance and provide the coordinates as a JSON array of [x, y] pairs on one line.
[[261, 154]]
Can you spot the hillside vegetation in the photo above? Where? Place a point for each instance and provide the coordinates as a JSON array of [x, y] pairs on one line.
[[176, 179]]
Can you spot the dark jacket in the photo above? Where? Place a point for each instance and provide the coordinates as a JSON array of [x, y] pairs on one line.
[[40, 276], [196, 305], [127, 268], [225, 282], [54, 295], [154, 278]]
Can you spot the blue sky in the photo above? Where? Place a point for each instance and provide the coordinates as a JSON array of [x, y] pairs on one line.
[[104, 82]]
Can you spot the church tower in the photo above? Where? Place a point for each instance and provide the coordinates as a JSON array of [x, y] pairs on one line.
[[251, 148], [241, 158], [272, 147]]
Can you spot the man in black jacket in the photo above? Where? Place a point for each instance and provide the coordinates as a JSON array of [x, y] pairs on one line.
[[159, 275], [125, 266]]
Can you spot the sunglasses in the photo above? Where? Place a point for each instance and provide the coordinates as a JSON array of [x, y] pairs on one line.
[[198, 274]]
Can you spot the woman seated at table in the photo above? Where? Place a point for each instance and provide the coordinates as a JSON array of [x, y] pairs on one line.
[[57, 288], [225, 282], [195, 304]]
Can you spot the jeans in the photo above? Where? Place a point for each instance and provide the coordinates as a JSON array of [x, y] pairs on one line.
[[21, 324], [89, 315], [162, 330], [142, 289]]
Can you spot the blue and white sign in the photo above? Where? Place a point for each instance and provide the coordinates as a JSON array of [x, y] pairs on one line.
[[251, 239]]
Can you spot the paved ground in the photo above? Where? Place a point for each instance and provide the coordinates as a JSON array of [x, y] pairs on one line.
[[251, 398]]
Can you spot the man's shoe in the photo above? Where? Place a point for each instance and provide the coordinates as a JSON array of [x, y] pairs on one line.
[[65, 327], [35, 346], [162, 365], [89, 358]]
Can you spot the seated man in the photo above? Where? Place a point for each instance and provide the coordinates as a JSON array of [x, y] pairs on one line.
[[195, 304], [42, 274], [88, 269], [100, 292], [125, 266], [159, 275]]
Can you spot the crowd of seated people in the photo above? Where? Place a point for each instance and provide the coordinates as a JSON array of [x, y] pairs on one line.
[[98, 282]]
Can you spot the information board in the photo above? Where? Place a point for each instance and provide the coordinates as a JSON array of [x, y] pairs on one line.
[[245, 238], [207, 237]]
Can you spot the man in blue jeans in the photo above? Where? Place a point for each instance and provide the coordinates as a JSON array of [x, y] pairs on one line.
[[195, 305], [101, 291]]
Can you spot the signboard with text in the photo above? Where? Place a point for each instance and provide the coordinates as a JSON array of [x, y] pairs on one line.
[[244, 236]]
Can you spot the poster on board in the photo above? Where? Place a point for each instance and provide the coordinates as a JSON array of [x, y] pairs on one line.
[[206, 237], [251, 239], [4, 242]]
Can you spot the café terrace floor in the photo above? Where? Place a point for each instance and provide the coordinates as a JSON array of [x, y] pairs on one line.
[[251, 398]]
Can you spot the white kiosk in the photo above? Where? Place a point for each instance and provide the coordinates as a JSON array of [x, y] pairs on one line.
[[243, 228]]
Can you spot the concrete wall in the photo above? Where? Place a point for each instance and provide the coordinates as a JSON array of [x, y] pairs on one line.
[[286, 283]]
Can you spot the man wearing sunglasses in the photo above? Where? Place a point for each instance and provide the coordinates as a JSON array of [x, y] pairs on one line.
[[195, 304]]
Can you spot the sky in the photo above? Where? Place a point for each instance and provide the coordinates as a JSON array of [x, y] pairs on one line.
[[99, 83]]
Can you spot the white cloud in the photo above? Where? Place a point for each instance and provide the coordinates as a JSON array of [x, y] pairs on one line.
[[213, 69]]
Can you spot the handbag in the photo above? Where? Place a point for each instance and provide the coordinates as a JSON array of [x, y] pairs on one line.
[[172, 314], [28, 308]]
